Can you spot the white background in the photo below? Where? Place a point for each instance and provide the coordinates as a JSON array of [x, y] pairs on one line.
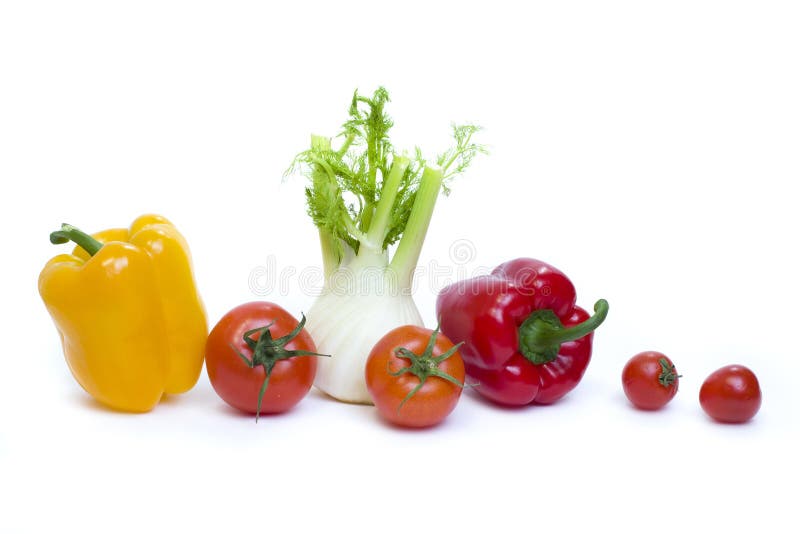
[[646, 148]]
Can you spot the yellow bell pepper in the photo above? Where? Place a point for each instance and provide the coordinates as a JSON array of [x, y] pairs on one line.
[[132, 324]]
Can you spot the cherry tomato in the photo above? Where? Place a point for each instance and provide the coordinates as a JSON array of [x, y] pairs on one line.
[[259, 359], [414, 376], [649, 380], [731, 394]]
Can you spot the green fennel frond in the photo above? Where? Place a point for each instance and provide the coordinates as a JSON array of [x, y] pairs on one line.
[[455, 160], [369, 126], [324, 199], [347, 184], [406, 196]]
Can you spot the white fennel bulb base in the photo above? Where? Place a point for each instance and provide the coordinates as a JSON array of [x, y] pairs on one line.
[[347, 326]]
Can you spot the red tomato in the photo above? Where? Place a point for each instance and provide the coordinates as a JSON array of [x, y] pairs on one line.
[[649, 380], [414, 376], [259, 358], [731, 394]]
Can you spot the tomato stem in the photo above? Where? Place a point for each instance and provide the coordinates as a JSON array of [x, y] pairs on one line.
[[424, 365], [268, 351], [667, 376]]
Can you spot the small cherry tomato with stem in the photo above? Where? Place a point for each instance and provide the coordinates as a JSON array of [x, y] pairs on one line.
[[731, 394], [257, 358], [649, 380], [415, 376]]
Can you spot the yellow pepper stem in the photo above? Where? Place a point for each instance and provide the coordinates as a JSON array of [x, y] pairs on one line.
[[82, 239]]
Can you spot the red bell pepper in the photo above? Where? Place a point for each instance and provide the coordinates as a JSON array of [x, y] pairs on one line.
[[525, 340]]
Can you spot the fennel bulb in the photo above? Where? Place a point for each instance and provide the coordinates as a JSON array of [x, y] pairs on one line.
[[363, 197], [331, 323]]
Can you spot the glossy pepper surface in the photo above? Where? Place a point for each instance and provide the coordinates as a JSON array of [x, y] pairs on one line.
[[125, 304], [525, 340]]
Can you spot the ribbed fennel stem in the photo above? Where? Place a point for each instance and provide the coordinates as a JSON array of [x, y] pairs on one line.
[[408, 250]]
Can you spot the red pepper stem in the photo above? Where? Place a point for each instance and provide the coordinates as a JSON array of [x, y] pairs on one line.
[[542, 333], [82, 239], [579, 330]]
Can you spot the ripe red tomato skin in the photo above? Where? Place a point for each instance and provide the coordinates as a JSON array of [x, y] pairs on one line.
[[437, 397], [731, 394], [640, 381], [236, 383]]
